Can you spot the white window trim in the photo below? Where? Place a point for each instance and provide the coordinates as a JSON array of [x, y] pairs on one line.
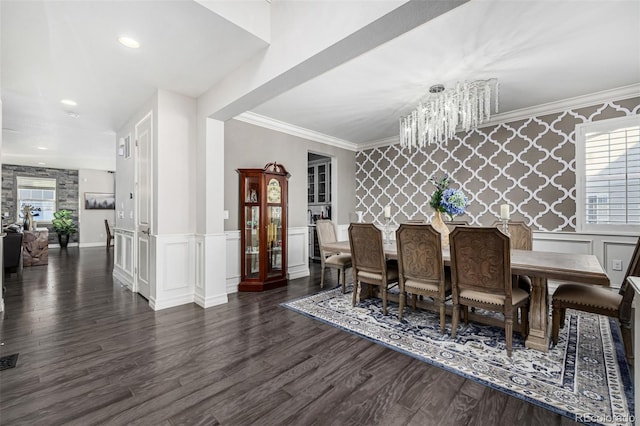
[[19, 211], [581, 131]]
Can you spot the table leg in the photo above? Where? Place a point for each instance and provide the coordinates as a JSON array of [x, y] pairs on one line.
[[538, 315]]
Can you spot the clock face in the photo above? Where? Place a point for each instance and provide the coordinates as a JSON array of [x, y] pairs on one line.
[[274, 192]]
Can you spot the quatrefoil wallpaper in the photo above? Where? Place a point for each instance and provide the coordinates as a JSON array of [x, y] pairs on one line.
[[527, 163]]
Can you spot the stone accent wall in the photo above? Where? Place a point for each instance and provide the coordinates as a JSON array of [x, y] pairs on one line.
[[66, 192], [528, 163]]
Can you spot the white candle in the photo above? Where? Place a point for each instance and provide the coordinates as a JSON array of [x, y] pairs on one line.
[[387, 212], [505, 212]]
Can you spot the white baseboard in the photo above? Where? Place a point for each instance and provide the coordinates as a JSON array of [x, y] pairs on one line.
[[232, 284], [100, 244], [220, 299], [123, 278], [170, 302], [298, 271]]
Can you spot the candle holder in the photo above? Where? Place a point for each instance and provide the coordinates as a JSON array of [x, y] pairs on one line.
[[387, 232], [505, 225]]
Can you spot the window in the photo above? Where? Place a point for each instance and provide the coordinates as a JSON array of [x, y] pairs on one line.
[[40, 193], [608, 175]]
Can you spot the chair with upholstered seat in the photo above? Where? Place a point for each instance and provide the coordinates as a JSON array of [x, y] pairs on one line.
[[421, 267], [520, 234], [109, 234], [598, 300], [369, 265], [329, 259], [451, 224], [521, 239], [481, 278]]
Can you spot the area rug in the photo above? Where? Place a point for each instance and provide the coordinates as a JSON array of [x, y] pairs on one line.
[[585, 377]]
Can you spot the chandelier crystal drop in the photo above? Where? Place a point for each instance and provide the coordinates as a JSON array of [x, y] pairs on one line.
[[444, 111]]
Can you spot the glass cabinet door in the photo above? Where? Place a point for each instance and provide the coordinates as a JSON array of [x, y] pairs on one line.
[[274, 241], [322, 183], [252, 239], [311, 185]]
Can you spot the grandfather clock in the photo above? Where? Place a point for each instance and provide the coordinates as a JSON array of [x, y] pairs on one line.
[[263, 225]]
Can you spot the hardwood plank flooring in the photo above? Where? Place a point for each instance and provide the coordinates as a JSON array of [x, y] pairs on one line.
[[91, 352]]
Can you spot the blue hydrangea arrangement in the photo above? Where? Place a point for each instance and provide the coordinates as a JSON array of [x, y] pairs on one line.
[[446, 200]]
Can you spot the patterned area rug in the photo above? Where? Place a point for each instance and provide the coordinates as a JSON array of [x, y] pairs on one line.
[[585, 377]]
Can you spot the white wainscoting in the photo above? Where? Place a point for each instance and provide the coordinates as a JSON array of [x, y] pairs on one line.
[[124, 261], [175, 266], [233, 260], [210, 262], [298, 252], [297, 256], [606, 248]]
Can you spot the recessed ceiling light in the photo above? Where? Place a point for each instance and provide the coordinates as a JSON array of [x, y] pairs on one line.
[[73, 114], [129, 42], [44, 148], [41, 163], [69, 102]]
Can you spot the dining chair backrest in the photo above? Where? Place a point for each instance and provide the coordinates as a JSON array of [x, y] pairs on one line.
[[326, 232], [106, 225], [420, 253], [452, 224], [481, 260], [367, 252], [417, 221], [626, 292], [520, 235]]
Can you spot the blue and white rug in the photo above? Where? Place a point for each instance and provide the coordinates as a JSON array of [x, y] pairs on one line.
[[585, 377]]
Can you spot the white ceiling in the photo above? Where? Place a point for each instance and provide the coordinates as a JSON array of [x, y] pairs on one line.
[[69, 50], [540, 51]]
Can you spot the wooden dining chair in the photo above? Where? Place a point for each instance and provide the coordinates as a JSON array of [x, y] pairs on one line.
[[598, 300], [331, 259], [520, 234], [451, 224], [109, 235], [369, 265], [481, 278], [421, 267], [521, 238]]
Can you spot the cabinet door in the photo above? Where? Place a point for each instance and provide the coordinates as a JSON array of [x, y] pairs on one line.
[[274, 241], [252, 241], [322, 183], [311, 185]]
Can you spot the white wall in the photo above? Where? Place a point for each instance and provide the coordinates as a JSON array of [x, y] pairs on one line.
[[125, 167], [91, 222], [250, 146], [175, 168]]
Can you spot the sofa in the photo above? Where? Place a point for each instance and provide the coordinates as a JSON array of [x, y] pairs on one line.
[[12, 251]]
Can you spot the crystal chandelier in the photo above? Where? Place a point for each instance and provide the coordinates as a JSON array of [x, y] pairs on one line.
[[444, 111]]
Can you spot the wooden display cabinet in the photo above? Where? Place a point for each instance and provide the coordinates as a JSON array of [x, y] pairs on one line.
[[263, 227]]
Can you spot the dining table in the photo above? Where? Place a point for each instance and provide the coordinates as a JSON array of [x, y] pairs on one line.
[[540, 266]]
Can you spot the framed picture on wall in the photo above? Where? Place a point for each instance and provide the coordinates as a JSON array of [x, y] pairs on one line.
[[98, 201]]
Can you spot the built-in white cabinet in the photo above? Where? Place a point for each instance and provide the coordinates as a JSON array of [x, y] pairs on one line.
[[319, 183]]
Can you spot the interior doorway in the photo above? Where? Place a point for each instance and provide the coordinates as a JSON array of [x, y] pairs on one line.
[[318, 197]]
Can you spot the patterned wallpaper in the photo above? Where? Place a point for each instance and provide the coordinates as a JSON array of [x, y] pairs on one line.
[[528, 163]]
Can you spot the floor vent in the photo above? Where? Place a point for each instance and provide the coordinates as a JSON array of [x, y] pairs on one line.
[[8, 361]]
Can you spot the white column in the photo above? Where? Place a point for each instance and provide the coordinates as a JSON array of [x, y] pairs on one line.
[[210, 283]]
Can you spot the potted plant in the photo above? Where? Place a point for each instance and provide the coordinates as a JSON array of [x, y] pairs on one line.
[[64, 226]]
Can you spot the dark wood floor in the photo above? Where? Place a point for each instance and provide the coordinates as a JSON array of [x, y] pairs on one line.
[[93, 352]]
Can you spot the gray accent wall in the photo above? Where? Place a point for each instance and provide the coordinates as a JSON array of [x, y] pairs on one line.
[[527, 163], [250, 146], [66, 192]]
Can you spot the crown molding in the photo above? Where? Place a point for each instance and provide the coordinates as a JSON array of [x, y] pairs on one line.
[[290, 129], [582, 101], [591, 99]]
